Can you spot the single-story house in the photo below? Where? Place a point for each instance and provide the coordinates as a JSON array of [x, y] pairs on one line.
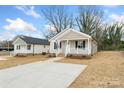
[[72, 42], [30, 45]]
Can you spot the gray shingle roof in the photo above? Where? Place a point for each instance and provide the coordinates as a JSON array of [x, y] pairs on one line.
[[32, 40]]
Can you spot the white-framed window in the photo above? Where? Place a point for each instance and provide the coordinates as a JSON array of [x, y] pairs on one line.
[[55, 45], [80, 44], [18, 47]]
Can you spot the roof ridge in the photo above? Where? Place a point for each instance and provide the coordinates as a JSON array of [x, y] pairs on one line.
[[31, 37]]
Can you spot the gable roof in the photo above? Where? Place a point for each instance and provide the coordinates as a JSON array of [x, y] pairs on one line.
[[32, 40], [69, 30]]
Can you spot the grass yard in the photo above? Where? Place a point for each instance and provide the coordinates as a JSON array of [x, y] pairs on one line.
[[14, 61], [105, 69]]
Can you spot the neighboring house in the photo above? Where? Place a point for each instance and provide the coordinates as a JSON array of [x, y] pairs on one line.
[[6, 45], [72, 42], [30, 45]]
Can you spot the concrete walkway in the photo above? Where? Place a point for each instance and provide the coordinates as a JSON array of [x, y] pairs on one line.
[[45, 74]]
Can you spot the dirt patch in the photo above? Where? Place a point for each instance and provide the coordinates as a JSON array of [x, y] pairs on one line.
[[105, 69], [14, 61], [1, 58], [4, 57]]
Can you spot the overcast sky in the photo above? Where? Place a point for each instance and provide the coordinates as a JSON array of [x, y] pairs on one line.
[[28, 20]]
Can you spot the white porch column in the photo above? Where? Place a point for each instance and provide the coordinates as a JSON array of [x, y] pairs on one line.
[[57, 51], [88, 47], [66, 52]]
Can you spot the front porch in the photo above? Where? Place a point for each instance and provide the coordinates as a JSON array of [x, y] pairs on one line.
[[73, 47]]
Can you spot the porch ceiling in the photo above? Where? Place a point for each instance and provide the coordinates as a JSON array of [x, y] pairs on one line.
[[73, 39], [72, 36]]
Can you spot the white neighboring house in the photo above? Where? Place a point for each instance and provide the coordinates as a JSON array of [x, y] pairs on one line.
[[72, 42], [30, 45]]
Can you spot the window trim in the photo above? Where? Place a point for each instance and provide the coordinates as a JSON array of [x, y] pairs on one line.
[[81, 44], [18, 47], [55, 45]]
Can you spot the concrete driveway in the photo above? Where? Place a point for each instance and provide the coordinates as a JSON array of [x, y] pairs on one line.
[[40, 74]]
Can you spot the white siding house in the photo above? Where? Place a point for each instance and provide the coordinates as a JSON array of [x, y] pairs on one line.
[[72, 42], [30, 45]]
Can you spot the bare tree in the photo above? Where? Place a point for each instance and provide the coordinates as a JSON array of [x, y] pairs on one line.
[[58, 17], [49, 31], [89, 19]]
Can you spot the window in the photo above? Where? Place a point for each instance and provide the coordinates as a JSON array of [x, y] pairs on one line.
[[55, 45], [76, 42], [80, 44], [60, 45], [18, 47], [28, 47], [83, 44]]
